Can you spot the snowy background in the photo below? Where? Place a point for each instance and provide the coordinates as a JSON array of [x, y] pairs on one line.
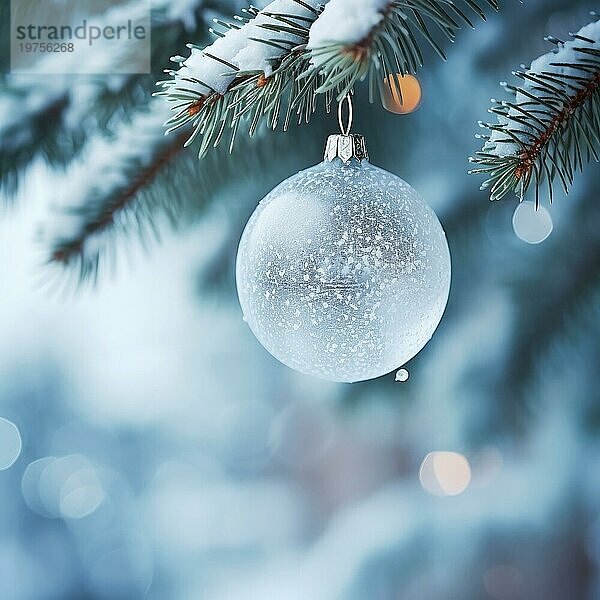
[[163, 454]]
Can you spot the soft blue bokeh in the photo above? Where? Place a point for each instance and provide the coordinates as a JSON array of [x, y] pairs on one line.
[[165, 455]]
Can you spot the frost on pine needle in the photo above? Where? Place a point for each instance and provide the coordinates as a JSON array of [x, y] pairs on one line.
[[548, 129]]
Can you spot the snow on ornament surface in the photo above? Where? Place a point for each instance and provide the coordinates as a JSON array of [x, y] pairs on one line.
[[343, 271]]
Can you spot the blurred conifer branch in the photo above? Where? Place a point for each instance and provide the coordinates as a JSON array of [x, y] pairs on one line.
[[114, 200], [550, 128], [123, 174], [52, 118], [281, 59], [264, 68], [157, 184]]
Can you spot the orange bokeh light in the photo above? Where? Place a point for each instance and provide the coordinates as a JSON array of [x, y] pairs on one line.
[[404, 100]]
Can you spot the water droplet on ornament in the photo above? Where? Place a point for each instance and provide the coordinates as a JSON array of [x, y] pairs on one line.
[[532, 225], [402, 375]]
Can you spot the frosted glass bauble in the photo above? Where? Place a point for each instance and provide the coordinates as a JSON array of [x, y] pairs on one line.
[[343, 271]]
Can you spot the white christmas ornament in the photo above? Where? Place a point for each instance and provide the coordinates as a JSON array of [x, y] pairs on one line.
[[343, 270]]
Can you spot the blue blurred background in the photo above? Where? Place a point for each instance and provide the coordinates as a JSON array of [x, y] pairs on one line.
[[152, 449]]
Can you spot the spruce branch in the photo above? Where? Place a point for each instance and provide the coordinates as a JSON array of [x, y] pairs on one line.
[[53, 117], [33, 128], [135, 184], [107, 212], [279, 61], [102, 197], [550, 128], [251, 73], [389, 45]]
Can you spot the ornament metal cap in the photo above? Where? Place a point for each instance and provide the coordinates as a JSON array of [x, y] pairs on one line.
[[346, 145]]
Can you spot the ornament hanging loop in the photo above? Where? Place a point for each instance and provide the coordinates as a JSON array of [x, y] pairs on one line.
[[345, 145], [348, 100]]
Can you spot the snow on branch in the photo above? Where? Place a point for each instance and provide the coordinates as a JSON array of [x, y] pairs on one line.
[[353, 39], [214, 68], [295, 50], [108, 189], [52, 116], [550, 128], [137, 181], [346, 22], [247, 71], [31, 123]]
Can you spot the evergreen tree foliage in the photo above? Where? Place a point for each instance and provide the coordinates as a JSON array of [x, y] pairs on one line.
[[551, 127], [513, 365]]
